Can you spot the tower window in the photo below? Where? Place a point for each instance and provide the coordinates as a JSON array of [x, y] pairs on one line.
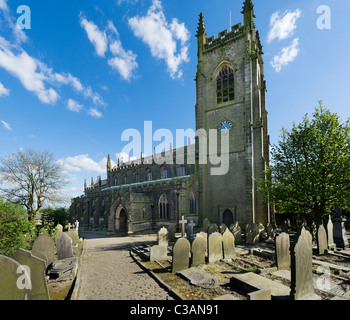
[[225, 85]]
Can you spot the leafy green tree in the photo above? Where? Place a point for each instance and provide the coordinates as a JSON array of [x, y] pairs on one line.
[[16, 231], [310, 166]]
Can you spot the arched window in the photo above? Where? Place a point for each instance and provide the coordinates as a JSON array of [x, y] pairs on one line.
[[163, 207], [124, 179], [149, 175], [192, 203], [163, 173], [136, 177], [225, 85], [180, 170]]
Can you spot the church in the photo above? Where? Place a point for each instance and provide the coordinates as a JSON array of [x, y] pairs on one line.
[[230, 98]]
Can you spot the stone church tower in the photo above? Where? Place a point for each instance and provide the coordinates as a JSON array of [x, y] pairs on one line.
[[231, 99]]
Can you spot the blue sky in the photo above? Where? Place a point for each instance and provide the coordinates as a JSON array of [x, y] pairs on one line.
[[86, 71]]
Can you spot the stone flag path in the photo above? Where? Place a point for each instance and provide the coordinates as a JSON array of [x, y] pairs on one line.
[[109, 273]]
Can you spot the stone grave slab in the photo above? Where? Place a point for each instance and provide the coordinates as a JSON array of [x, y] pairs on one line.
[[200, 278], [264, 294], [163, 236], [37, 268], [226, 297], [64, 268], [64, 245], [251, 282], [330, 238], [322, 244], [44, 248], [228, 241], [282, 245], [74, 236], [214, 247]]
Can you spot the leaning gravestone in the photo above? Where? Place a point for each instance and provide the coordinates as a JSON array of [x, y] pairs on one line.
[[181, 255], [249, 235], [64, 245], [282, 244], [270, 231], [162, 236], [37, 269], [302, 287], [74, 236], [321, 240], [222, 228], [212, 228], [228, 242], [237, 232], [331, 244], [44, 248], [256, 233], [199, 248], [214, 247], [15, 282]]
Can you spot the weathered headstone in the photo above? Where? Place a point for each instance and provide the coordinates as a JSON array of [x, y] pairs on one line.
[[222, 228], [171, 232], [331, 244], [212, 228], [37, 269], [248, 235], [214, 247], [64, 269], [321, 240], [302, 287], [44, 248], [206, 224], [204, 235], [59, 229], [256, 233], [199, 248], [237, 232], [339, 233], [270, 231], [285, 227], [200, 278], [15, 282], [163, 236], [64, 245], [228, 242], [262, 231], [159, 252], [191, 235], [282, 245], [181, 255]]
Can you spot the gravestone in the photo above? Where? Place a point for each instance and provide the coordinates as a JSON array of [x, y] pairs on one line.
[[256, 233], [212, 228], [64, 245], [181, 255], [302, 287], [339, 230], [285, 226], [204, 235], [331, 244], [206, 224], [270, 231], [262, 231], [249, 238], [237, 232], [321, 240], [191, 235], [64, 269], [37, 268], [228, 241], [163, 236], [59, 229], [15, 282], [222, 228], [199, 248], [200, 278], [214, 247], [73, 234], [44, 248], [159, 252], [282, 245]]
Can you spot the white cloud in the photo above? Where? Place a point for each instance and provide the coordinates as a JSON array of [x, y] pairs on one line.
[[283, 27], [154, 30], [286, 56], [74, 106], [3, 5], [35, 76], [3, 90], [83, 163], [96, 37], [6, 125], [95, 113]]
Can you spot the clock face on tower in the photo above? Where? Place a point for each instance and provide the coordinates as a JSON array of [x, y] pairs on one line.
[[225, 126]]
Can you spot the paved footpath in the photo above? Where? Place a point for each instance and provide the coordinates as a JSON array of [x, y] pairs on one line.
[[109, 273]]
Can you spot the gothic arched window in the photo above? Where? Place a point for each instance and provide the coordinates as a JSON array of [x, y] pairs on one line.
[[163, 207], [225, 85], [163, 173], [192, 203], [149, 175]]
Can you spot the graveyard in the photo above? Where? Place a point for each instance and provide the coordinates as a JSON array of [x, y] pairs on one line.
[[259, 263], [46, 272]]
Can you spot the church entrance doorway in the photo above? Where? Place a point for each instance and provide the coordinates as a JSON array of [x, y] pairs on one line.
[[121, 220], [227, 218]]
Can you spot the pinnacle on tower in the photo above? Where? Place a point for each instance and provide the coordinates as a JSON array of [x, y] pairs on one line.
[[248, 13], [247, 6], [201, 27], [109, 166]]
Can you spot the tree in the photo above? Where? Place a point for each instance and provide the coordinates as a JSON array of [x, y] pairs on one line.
[[310, 166], [16, 231], [31, 178]]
